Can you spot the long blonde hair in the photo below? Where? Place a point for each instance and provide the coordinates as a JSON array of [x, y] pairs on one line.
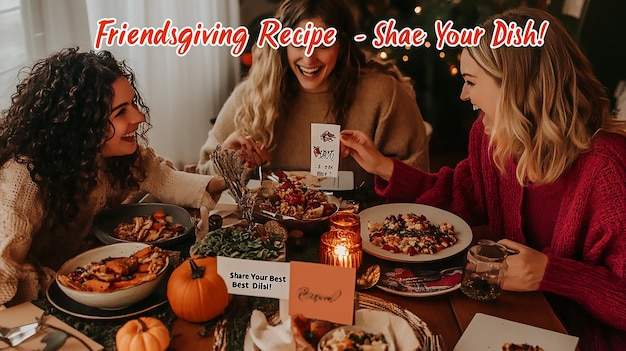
[[551, 103], [272, 84]]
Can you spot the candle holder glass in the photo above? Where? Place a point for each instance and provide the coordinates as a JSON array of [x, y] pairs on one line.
[[341, 248], [346, 220]]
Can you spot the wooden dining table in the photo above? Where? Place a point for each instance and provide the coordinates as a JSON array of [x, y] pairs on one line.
[[447, 315]]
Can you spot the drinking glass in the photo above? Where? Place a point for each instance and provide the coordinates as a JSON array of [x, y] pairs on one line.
[[484, 270]]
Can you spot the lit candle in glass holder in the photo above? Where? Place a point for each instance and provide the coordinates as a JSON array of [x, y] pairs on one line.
[[341, 248]]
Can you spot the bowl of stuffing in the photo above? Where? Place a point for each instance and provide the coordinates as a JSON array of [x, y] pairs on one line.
[[159, 224], [114, 276], [293, 203]]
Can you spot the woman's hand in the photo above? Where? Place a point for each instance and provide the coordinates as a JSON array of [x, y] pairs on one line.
[[358, 145], [254, 152], [525, 269], [216, 186]]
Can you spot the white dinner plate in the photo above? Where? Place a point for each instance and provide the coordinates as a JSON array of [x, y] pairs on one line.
[[487, 332], [435, 215]]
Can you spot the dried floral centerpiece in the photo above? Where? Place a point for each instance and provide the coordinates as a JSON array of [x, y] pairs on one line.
[[254, 241], [229, 164]]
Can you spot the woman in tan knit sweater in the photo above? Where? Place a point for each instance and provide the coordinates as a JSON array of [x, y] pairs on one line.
[[268, 116], [72, 143]]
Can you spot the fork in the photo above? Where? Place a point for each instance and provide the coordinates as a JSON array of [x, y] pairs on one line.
[[434, 343]]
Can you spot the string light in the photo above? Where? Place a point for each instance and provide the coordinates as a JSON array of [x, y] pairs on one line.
[[405, 58], [417, 10], [427, 44], [442, 54], [383, 55], [453, 70]]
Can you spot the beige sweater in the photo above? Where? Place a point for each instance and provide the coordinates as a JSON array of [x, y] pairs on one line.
[[383, 109], [28, 254]]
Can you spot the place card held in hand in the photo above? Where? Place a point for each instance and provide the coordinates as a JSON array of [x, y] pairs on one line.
[[325, 150]]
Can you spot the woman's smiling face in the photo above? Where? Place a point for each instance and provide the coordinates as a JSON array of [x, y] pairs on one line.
[[125, 118], [481, 89], [312, 72]]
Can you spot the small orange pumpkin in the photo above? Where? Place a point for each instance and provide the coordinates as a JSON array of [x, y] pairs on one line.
[[142, 334], [196, 292]]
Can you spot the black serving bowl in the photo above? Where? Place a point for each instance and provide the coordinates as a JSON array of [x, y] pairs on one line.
[[106, 221]]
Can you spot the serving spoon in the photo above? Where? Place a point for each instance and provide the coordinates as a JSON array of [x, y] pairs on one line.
[[369, 278]]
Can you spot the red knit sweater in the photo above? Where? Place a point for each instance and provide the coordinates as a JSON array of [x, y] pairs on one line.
[[587, 252]]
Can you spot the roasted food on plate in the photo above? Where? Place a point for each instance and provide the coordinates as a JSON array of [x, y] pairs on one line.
[[308, 332], [155, 227], [115, 273], [520, 347], [334, 337], [411, 234], [291, 197], [352, 338]]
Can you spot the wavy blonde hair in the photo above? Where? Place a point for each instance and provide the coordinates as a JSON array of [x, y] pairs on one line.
[[551, 103], [272, 84]]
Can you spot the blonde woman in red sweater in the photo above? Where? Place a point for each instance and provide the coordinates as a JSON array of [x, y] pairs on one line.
[[546, 170]]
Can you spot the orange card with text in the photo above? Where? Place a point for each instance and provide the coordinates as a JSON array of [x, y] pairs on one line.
[[321, 291]]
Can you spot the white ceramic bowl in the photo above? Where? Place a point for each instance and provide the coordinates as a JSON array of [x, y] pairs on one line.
[[112, 300]]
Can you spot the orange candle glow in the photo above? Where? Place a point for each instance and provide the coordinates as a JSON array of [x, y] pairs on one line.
[[341, 248]]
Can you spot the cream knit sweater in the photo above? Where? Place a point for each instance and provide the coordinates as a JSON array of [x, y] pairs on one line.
[[29, 253]]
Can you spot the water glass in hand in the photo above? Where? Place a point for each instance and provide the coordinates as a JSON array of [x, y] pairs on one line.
[[484, 270]]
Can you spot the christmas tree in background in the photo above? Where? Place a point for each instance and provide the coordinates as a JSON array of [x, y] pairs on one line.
[[435, 73]]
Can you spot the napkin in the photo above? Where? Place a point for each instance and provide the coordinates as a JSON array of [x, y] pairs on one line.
[[262, 336], [26, 312], [449, 279], [266, 337]]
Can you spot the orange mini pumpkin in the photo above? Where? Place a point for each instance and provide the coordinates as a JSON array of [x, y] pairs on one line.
[[142, 334], [196, 292]]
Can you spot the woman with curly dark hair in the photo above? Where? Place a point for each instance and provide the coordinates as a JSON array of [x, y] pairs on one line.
[[72, 143]]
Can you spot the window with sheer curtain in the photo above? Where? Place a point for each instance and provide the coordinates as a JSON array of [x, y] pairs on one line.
[[183, 92], [12, 48]]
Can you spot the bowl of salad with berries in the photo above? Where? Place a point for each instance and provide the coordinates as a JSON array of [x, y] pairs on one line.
[[293, 203]]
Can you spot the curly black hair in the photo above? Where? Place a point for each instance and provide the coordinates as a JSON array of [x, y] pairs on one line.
[[57, 124]]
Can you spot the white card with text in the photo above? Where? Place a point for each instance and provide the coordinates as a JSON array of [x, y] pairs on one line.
[[325, 150], [255, 278]]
